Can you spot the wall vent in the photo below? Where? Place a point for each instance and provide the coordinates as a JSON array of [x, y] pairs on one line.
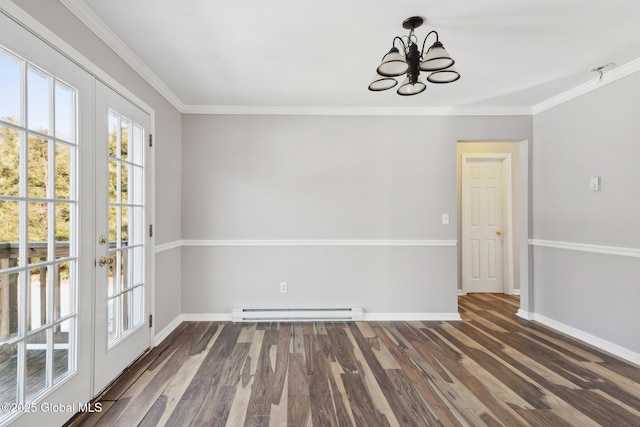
[[296, 314]]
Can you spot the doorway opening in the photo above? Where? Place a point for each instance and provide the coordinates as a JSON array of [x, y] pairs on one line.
[[492, 194]]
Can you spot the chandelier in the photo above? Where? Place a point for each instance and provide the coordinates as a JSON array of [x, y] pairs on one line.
[[411, 61]]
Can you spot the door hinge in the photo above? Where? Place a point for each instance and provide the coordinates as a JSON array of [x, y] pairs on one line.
[[150, 140], [150, 230], [150, 320]]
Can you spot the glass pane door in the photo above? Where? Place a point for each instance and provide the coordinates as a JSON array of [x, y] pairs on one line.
[[38, 241], [39, 230], [122, 329]]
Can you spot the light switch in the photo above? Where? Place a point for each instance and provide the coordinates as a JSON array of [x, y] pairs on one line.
[[594, 183], [445, 218]]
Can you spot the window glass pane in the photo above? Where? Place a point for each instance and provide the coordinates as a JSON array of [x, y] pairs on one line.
[[137, 185], [10, 309], [113, 135], [37, 229], [9, 233], [64, 112], [124, 143], [113, 223], [36, 363], [38, 104], [63, 171], [9, 161], [8, 373], [63, 224], [124, 268], [137, 145], [124, 186], [61, 360], [124, 225], [112, 285], [136, 265], [37, 301], [136, 226], [138, 306], [37, 161], [126, 311], [113, 313], [113, 181], [62, 291], [10, 109]]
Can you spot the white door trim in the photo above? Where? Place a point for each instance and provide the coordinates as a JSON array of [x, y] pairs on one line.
[[507, 207]]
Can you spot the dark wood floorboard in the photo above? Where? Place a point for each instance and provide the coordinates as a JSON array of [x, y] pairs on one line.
[[492, 369]]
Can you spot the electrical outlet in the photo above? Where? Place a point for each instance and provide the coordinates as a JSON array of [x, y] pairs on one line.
[[445, 218], [284, 288]]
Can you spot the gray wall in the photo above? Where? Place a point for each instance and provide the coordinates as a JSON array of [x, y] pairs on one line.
[[596, 134], [168, 150], [324, 177]]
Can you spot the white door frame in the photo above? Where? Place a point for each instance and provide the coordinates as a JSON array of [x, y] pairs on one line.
[[507, 208]]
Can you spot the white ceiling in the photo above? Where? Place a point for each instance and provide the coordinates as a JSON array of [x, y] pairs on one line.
[[216, 55]]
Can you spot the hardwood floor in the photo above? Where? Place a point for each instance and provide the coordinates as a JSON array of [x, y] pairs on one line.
[[491, 369]]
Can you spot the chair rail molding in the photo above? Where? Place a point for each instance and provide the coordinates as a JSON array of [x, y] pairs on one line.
[[584, 247], [319, 242]]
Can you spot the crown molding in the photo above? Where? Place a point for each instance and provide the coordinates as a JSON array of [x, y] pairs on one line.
[[607, 78], [80, 9], [356, 111]]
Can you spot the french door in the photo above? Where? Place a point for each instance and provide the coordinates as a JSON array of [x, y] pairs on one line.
[[74, 301], [122, 298]]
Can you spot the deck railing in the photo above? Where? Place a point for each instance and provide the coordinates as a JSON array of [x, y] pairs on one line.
[[38, 252]]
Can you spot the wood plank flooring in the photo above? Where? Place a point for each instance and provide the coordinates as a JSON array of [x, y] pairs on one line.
[[492, 369]]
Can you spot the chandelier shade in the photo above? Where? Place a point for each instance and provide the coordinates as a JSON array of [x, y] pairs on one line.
[[448, 75], [380, 83], [436, 58], [407, 88], [393, 64], [410, 61]]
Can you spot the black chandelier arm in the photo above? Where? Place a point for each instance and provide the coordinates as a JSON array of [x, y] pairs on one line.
[[404, 47], [424, 43]]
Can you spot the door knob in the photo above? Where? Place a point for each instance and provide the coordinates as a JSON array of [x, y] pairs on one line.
[[102, 261], [499, 233]]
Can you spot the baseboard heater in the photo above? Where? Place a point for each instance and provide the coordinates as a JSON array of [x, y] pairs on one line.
[[296, 314]]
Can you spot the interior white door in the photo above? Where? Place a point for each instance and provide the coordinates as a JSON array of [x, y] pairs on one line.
[[122, 296], [482, 232], [46, 216]]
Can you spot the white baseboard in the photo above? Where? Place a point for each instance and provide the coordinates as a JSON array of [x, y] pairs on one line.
[[368, 317], [164, 333], [206, 317], [524, 314], [595, 341], [412, 317]]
